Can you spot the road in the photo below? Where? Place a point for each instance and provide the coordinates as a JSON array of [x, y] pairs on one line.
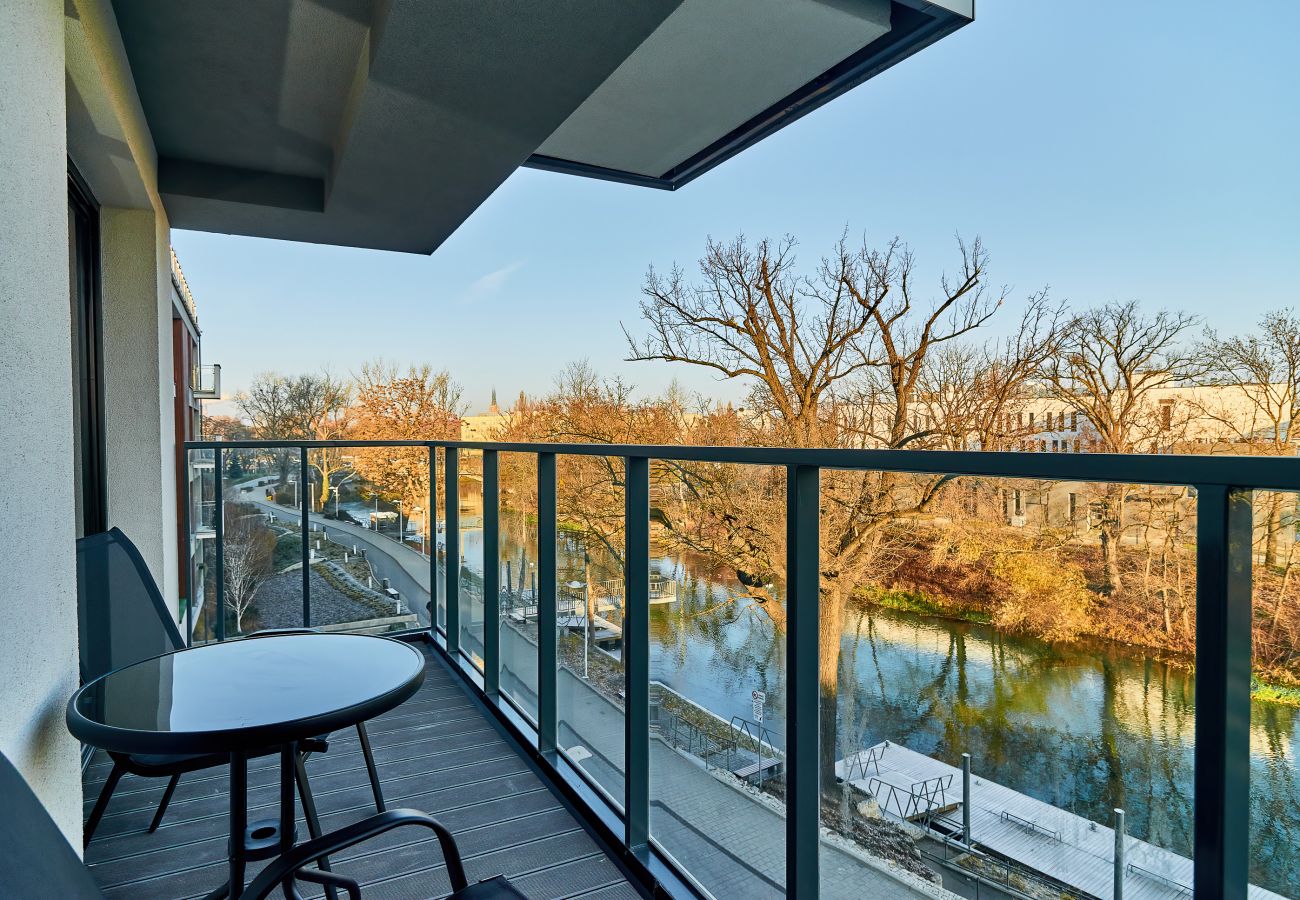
[[407, 570]]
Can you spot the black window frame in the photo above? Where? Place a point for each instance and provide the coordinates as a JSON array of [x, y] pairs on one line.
[[88, 335]]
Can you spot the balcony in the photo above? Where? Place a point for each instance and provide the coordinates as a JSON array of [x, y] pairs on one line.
[[690, 742], [206, 382]]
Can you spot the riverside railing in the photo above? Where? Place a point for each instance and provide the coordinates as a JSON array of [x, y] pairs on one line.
[[1224, 487]]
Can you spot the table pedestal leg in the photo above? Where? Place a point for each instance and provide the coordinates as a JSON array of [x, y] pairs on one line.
[[288, 763], [238, 821]]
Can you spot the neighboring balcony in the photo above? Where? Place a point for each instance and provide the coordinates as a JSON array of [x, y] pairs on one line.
[[206, 382], [656, 692]]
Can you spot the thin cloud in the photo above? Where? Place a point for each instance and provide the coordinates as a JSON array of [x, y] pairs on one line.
[[487, 285]]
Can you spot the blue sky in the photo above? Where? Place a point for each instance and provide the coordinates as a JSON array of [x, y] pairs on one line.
[[1112, 150]]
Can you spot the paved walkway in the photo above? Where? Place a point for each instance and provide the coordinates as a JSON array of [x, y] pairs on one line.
[[732, 843]]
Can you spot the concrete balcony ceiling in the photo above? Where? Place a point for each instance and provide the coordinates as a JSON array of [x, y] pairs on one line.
[[386, 124]]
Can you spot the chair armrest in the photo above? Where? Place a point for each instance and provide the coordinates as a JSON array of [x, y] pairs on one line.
[[279, 869]]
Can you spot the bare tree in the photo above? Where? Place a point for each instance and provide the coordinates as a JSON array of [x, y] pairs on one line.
[[791, 338], [969, 389], [412, 404], [1112, 361], [267, 406], [585, 408], [1264, 368], [249, 547], [311, 407], [833, 359]]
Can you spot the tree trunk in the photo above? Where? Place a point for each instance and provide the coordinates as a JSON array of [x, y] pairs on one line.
[[1281, 593], [830, 632], [1272, 542], [1109, 560]]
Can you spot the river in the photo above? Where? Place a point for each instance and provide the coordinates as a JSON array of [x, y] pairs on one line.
[[1085, 728]]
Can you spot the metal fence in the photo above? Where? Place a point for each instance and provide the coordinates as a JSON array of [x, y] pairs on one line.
[[1224, 487]]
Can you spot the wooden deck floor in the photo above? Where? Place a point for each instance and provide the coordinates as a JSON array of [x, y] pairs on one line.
[[437, 753]]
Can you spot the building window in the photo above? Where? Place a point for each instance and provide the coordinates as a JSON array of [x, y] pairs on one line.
[[1074, 506], [1166, 414], [1074, 421], [1031, 420]]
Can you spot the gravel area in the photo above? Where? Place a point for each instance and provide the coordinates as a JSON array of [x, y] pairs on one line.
[[278, 603]]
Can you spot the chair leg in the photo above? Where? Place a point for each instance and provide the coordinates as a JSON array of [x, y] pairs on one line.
[[110, 785], [162, 804], [370, 767], [309, 813]]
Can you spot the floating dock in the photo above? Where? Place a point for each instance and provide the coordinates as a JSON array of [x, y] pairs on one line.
[[1065, 847]]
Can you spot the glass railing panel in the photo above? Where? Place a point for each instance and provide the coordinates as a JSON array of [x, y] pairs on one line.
[[199, 616], [439, 496], [471, 556], [1042, 633], [262, 539], [718, 675], [1275, 701], [363, 577], [589, 596], [518, 551]]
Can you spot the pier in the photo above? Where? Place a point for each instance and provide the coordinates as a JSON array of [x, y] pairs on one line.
[[1066, 848]]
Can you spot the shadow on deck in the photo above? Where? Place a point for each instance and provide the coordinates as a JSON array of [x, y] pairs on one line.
[[438, 753]]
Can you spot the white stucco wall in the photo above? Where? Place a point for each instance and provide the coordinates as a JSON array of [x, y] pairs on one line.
[[138, 411], [109, 140], [38, 611]]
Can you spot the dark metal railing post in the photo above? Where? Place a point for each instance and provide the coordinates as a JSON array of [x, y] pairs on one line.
[[803, 590], [1221, 837], [433, 540], [187, 558], [219, 526], [491, 574], [304, 511], [636, 652], [546, 615], [451, 496]]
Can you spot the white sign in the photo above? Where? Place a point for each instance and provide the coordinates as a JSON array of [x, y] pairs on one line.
[[759, 698]]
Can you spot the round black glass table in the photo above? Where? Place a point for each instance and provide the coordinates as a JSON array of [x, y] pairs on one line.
[[240, 697]]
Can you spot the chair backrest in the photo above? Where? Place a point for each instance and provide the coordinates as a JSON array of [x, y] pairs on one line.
[[36, 860], [122, 615]]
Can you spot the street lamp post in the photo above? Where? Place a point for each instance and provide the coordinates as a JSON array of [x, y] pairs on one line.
[[336, 492], [585, 584]]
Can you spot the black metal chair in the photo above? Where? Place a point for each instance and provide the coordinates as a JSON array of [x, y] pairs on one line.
[[38, 862], [123, 621]]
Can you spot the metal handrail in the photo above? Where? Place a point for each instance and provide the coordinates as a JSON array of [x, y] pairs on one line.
[[1223, 488], [1171, 883], [864, 758], [1030, 824], [1258, 472]]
